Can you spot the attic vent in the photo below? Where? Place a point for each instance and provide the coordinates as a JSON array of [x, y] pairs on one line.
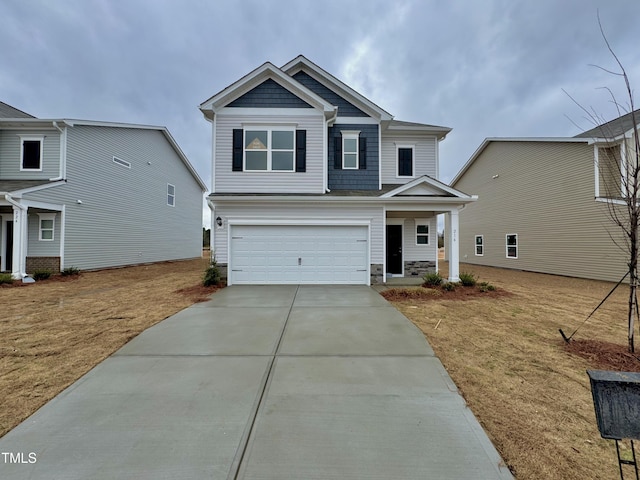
[[121, 162]]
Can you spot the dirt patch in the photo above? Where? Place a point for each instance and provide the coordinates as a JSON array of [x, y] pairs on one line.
[[457, 294], [605, 355], [198, 293]]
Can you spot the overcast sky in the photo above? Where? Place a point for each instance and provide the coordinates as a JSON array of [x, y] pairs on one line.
[[490, 68]]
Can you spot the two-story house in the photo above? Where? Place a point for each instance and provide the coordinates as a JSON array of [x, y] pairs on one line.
[[314, 183], [91, 195], [545, 203]]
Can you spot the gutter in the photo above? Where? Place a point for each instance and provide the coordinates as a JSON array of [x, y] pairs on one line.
[[63, 152]]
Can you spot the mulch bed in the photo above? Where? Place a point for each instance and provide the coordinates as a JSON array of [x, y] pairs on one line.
[[431, 293], [605, 356]]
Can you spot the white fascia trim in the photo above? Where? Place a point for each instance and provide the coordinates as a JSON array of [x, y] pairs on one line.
[[379, 157], [429, 181], [332, 83], [24, 191], [254, 78], [214, 123], [613, 201], [42, 205]]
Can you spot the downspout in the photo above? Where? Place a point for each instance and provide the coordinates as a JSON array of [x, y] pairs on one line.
[[22, 254], [325, 170], [63, 153]]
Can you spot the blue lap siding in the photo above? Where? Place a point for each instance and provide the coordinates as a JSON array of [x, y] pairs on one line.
[[345, 109], [366, 179], [269, 94]]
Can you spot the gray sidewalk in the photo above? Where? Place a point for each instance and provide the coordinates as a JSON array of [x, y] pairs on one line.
[[263, 382]]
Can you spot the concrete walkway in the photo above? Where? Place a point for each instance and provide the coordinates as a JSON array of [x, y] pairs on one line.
[[267, 382]]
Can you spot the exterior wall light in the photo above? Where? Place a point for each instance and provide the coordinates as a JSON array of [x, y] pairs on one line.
[[219, 221]]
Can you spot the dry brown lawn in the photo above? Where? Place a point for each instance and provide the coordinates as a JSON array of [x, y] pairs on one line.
[[52, 332], [529, 392]]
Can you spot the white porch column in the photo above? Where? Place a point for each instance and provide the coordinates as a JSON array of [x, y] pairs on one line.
[[453, 248], [19, 260]]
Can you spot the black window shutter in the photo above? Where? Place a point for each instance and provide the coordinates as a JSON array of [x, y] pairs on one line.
[[362, 144], [301, 150], [337, 153], [237, 150]]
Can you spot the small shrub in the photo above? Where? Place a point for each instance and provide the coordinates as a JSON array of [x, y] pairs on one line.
[[433, 279], [468, 279], [486, 287], [69, 271], [449, 286], [41, 275], [211, 274], [6, 278]]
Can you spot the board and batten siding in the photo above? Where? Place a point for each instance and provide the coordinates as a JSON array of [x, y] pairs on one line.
[[544, 193], [424, 162], [228, 181], [124, 218], [10, 160], [321, 213]]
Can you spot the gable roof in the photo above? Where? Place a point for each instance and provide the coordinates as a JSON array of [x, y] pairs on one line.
[[489, 140], [254, 78], [615, 128], [428, 186], [7, 111], [301, 63]]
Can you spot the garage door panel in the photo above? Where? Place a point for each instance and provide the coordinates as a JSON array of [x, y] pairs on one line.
[[299, 254]]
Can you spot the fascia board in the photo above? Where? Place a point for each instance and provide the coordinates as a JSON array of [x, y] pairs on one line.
[[255, 78], [24, 191], [332, 83], [429, 181], [295, 199]]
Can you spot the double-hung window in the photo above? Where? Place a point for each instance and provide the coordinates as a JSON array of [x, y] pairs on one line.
[[46, 226], [512, 245], [405, 160], [171, 195], [31, 152], [269, 149], [350, 150], [479, 245], [422, 232]]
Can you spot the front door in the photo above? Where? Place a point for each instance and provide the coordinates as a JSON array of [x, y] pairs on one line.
[[394, 249], [8, 251]]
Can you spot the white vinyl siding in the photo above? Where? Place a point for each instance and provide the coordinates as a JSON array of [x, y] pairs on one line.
[[122, 218], [310, 181], [410, 250], [424, 157]]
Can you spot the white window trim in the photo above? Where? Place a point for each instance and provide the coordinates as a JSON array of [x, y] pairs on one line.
[[506, 250], [422, 221], [268, 129], [412, 146], [476, 245], [121, 162], [47, 216], [172, 196], [31, 138], [351, 135]]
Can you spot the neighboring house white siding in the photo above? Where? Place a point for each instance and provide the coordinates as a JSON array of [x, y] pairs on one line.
[[117, 215], [424, 162], [310, 181], [10, 150], [321, 214]]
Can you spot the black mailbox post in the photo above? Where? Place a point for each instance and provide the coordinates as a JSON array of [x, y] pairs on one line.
[[616, 399]]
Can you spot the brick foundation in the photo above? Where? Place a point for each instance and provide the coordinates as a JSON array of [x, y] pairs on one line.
[[43, 263]]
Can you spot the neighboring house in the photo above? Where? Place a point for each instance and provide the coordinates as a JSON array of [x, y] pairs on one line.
[[90, 195], [544, 203], [314, 183]]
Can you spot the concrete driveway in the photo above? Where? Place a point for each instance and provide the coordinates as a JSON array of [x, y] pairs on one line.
[[262, 382]]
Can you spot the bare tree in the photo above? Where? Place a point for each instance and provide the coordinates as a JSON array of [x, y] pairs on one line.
[[618, 167]]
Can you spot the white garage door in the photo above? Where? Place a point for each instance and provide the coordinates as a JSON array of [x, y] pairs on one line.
[[291, 254]]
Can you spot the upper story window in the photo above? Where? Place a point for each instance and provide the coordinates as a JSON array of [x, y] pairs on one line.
[[171, 195], [269, 149], [350, 150], [31, 152], [405, 160], [612, 179]]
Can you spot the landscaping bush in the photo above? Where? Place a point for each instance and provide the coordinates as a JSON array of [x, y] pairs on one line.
[[449, 286], [433, 279], [67, 272], [468, 279], [211, 274], [6, 278], [41, 274], [486, 287]]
